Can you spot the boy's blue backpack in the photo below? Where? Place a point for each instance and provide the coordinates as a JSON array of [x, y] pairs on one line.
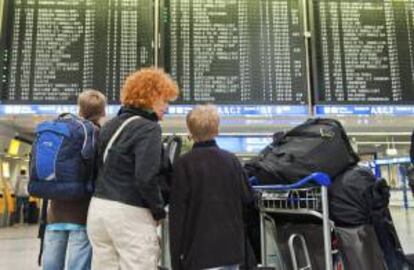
[[62, 159]]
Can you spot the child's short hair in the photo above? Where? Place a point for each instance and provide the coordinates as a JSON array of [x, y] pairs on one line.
[[203, 122], [92, 105]]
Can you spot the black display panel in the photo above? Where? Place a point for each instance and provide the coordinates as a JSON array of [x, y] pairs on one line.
[[363, 51], [235, 51], [52, 49]]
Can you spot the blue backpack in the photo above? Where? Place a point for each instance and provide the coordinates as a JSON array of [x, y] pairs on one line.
[[62, 159]]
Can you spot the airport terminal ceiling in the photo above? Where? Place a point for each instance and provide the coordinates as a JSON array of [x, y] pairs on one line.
[[368, 134]]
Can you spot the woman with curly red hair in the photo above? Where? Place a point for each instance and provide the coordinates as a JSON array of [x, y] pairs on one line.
[[127, 204]]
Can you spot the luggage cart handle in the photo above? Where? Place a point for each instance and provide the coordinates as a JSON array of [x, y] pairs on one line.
[[322, 179]]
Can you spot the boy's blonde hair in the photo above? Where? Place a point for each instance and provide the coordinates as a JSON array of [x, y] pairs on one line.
[[92, 105], [203, 122]]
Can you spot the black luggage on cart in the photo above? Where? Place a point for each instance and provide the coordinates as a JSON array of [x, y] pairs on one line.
[[357, 198], [360, 248], [318, 145], [354, 195], [311, 253], [357, 248], [313, 235]]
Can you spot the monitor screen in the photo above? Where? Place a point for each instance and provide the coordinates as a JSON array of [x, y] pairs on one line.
[[52, 49], [363, 51], [235, 51]]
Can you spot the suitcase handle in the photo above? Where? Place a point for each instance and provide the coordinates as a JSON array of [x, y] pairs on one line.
[[321, 179]]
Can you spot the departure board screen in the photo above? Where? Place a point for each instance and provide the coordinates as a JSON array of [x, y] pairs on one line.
[[364, 51], [235, 51], [55, 48]]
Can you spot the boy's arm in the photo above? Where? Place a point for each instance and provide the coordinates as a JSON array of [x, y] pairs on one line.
[[246, 190], [177, 215]]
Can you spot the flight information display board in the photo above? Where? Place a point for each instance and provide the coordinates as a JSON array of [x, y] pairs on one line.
[[364, 51], [52, 49], [235, 51]]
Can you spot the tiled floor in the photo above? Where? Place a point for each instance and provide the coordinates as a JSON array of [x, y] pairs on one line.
[[19, 247], [404, 224]]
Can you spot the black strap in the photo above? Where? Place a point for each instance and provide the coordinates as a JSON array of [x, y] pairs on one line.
[[69, 115], [246, 253], [173, 145], [42, 229]]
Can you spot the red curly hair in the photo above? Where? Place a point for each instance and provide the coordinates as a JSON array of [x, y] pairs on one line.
[[147, 85]]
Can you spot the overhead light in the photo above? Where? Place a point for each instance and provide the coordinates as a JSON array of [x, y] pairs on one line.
[[391, 152], [5, 169], [14, 147]]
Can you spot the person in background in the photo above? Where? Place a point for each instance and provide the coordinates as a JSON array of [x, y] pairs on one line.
[[66, 244], [22, 196], [127, 205], [208, 193]]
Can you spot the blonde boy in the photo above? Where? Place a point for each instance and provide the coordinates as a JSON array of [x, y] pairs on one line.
[[66, 241], [207, 196]]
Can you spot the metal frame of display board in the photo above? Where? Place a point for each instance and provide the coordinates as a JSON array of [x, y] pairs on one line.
[[306, 11]]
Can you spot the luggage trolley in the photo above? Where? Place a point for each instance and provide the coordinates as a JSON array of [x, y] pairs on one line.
[[298, 199]]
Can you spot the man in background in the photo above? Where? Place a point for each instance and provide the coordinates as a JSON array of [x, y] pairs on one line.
[[22, 197]]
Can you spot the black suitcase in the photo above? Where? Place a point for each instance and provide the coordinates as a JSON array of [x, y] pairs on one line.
[[318, 145], [313, 235], [357, 248]]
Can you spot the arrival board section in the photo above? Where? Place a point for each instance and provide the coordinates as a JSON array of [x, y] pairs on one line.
[[235, 51], [364, 51], [56, 48]]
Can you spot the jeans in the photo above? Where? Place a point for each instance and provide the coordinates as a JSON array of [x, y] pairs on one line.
[[22, 206], [68, 250]]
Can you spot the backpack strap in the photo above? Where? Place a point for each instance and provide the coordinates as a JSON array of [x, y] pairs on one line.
[[117, 133], [42, 229], [85, 133], [67, 116], [89, 134], [83, 124], [172, 147]]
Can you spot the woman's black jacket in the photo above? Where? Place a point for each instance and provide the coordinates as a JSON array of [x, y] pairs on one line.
[[131, 172]]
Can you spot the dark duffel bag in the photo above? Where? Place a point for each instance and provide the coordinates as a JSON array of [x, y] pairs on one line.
[[354, 195], [318, 145]]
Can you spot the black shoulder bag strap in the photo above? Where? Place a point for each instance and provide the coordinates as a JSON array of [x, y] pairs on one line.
[[42, 229]]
